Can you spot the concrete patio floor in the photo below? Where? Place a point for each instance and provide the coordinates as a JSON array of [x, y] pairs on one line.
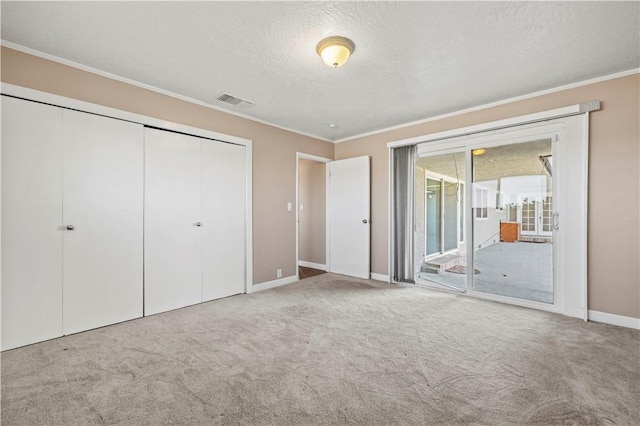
[[521, 270]]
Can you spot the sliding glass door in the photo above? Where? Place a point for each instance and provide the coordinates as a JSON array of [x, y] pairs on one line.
[[499, 214], [508, 218], [514, 258], [440, 220], [443, 201]]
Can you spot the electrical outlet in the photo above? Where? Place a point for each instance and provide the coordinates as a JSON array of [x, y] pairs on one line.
[[279, 273]]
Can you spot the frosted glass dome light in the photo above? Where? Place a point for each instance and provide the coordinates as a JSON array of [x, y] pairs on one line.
[[335, 50]]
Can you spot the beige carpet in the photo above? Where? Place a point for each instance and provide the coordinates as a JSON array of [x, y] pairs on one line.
[[331, 350]]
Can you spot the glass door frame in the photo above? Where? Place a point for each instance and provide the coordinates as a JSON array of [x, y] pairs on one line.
[[462, 238], [571, 124], [552, 129]]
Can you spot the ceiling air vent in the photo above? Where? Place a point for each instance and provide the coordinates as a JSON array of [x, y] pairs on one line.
[[230, 99]]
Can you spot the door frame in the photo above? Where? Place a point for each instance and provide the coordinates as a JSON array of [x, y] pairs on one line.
[[519, 134], [318, 159], [499, 131]]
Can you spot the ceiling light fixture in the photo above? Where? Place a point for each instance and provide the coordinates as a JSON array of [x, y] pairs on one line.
[[478, 151], [335, 50]]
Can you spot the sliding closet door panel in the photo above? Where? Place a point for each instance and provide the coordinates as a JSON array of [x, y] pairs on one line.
[[223, 231], [103, 217], [31, 219], [173, 272]]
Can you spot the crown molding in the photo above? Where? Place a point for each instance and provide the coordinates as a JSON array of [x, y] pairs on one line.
[[145, 86], [497, 103], [121, 79]]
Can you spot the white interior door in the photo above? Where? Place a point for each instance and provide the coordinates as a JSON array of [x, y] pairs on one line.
[[102, 215], [348, 214], [173, 246], [224, 192], [31, 220]]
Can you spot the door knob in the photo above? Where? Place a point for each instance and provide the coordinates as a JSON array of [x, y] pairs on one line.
[[365, 221], [70, 228], [198, 223]]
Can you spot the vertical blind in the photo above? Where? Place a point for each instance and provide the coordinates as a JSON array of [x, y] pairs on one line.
[[403, 216]]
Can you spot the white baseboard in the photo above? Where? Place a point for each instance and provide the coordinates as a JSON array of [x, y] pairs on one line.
[[614, 319], [275, 283], [574, 312], [380, 277], [312, 265]]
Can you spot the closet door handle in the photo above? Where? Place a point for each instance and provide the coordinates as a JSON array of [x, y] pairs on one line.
[[70, 227], [198, 223]]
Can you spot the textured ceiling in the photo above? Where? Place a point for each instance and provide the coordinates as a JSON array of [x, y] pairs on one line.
[[413, 60]]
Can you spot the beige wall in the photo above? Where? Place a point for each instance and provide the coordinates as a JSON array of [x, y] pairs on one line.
[[312, 211], [274, 150], [614, 184], [614, 220]]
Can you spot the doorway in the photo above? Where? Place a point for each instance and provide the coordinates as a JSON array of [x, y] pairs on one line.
[[440, 203], [509, 190], [511, 258], [443, 206], [511, 208], [333, 215], [311, 215]]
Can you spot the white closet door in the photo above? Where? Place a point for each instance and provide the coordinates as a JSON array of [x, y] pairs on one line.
[[223, 216], [31, 220], [173, 248], [103, 201]]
